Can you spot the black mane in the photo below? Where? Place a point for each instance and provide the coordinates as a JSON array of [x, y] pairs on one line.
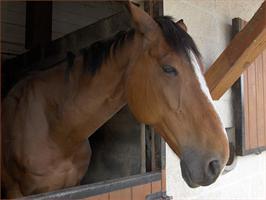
[[178, 39], [99, 51]]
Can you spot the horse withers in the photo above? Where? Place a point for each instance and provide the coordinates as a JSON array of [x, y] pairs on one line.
[[154, 68]]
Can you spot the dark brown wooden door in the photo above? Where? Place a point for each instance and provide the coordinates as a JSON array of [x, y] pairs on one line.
[[250, 104], [254, 83]]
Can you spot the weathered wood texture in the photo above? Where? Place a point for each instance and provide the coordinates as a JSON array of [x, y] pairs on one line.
[[135, 187], [154, 7], [250, 103], [242, 50], [13, 22], [68, 16], [163, 180], [139, 192], [121, 194]]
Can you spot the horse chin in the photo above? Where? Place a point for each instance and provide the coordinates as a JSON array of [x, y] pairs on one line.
[[186, 176]]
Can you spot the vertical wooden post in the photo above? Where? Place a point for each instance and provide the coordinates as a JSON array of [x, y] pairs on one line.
[[143, 148], [38, 23], [153, 153], [238, 98], [154, 7]]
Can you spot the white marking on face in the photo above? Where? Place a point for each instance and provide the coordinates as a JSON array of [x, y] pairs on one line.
[[203, 84]]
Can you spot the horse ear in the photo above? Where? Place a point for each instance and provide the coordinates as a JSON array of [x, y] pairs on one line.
[[181, 24], [143, 22]]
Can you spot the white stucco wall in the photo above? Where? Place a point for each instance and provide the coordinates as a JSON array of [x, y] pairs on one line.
[[246, 182], [209, 23]]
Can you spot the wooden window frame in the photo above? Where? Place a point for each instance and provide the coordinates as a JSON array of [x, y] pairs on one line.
[[90, 190]]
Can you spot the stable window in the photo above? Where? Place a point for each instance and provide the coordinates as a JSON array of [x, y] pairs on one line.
[[127, 157]]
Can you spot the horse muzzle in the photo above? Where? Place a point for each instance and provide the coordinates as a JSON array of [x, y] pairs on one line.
[[198, 170]]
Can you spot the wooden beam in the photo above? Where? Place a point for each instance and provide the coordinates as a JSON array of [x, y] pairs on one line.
[[154, 7], [238, 99], [38, 23], [88, 190], [242, 51], [142, 148]]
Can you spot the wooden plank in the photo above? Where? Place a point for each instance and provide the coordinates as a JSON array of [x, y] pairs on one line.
[[246, 112], [249, 104], [163, 180], [252, 105], [98, 197], [156, 186], [83, 13], [154, 7], [16, 6], [260, 100], [242, 50], [14, 33], [153, 153], [13, 17], [141, 191], [56, 35], [264, 92], [105, 187], [142, 148], [64, 27], [239, 99], [88, 9], [10, 47], [124, 194], [38, 23]]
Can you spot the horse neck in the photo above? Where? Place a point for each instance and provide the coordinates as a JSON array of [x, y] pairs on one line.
[[93, 99]]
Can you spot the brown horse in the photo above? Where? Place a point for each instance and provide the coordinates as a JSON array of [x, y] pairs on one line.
[[154, 68]]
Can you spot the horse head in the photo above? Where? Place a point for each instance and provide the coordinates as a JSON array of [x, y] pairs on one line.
[[166, 89]]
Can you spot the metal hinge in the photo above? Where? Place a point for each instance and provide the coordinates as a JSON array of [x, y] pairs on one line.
[[158, 196]]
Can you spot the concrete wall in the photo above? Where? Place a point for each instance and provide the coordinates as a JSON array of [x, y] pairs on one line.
[[209, 23]]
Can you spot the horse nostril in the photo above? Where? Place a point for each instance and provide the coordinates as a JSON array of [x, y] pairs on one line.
[[213, 168]]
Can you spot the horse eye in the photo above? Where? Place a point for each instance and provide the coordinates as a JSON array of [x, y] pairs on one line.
[[169, 70]]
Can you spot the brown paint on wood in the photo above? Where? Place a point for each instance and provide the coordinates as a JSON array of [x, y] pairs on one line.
[[252, 106], [156, 186], [242, 50], [99, 197], [253, 90], [264, 91], [254, 103], [260, 101], [246, 109], [163, 180], [154, 7], [124, 194], [141, 191]]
